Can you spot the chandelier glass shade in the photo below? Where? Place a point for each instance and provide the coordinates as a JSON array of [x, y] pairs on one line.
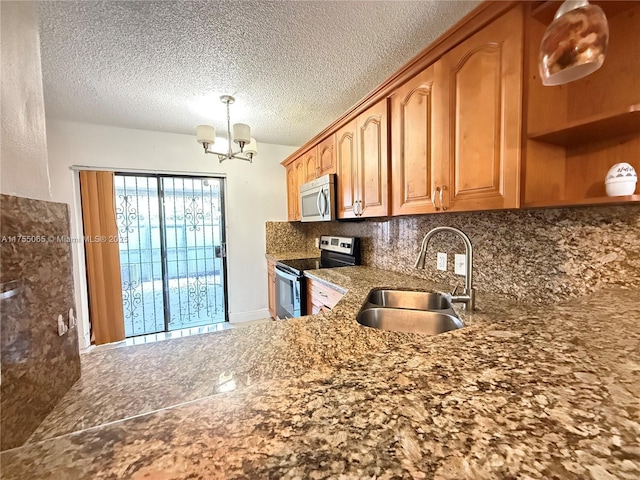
[[206, 135], [575, 43]]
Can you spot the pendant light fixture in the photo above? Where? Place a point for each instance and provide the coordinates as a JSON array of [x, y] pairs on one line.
[[206, 135], [575, 43]]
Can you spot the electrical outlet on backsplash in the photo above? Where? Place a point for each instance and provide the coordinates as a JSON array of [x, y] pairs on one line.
[[529, 255]]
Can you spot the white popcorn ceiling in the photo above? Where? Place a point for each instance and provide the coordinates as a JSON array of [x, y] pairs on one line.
[[293, 66]]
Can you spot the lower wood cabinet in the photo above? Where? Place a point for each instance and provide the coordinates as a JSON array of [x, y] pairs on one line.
[[271, 287], [320, 297]]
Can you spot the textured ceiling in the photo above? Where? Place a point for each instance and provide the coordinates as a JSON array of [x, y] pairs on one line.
[[294, 66]]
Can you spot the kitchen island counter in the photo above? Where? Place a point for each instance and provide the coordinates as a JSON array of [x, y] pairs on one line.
[[524, 391]]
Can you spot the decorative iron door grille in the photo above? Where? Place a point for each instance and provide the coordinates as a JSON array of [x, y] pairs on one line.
[[172, 253]]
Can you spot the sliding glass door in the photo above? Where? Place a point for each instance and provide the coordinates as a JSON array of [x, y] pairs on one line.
[[172, 251]]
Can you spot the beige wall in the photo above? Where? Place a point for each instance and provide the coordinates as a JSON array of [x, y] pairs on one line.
[[23, 153]]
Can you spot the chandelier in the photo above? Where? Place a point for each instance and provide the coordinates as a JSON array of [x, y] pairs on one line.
[[206, 135]]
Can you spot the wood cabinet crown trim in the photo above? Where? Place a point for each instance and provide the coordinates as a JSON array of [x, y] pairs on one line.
[[471, 23]]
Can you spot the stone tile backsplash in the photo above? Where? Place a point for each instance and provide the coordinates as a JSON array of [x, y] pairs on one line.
[[38, 365], [529, 255]]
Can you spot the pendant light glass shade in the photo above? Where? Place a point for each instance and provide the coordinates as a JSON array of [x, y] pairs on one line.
[[251, 148], [575, 43], [205, 134], [241, 133]]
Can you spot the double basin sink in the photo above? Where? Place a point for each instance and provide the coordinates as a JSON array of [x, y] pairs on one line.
[[409, 311]]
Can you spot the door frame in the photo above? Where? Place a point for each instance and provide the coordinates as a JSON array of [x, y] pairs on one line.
[[223, 230], [78, 250]]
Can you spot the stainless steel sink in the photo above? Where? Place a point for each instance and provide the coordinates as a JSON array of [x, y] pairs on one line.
[[409, 311], [410, 321], [408, 299]]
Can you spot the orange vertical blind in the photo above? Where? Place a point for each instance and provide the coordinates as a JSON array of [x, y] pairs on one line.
[[103, 256]]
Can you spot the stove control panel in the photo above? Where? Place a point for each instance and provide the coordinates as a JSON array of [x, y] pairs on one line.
[[346, 245]]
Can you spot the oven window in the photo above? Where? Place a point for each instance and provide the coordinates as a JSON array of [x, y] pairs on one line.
[[288, 301]]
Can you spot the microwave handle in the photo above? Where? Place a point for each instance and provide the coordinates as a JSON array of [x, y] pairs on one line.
[[323, 203], [319, 203]]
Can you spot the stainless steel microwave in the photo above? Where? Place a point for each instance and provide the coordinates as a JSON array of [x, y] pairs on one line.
[[317, 199]]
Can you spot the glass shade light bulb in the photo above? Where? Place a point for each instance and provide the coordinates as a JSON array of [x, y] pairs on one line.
[[251, 148], [205, 134], [241, 133], [575, 44]]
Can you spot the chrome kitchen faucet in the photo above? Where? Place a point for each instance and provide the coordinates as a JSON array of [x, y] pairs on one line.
[[468, 296]]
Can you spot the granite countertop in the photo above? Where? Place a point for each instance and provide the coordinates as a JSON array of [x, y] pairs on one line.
[[523, 391]]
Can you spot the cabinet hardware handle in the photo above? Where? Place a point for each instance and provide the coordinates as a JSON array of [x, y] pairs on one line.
[[441, 203], [433, 199], [355, 208]]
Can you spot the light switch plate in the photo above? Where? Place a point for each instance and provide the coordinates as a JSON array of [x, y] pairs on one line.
[[442, 261], [460, 264]]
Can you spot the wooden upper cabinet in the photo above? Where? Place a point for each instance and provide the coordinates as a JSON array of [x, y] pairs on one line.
[[326, 156], [362, 165], [296, 176], [346, 173], [448, 137], [292, 200], [412, 146], [480, 110], [301, 178], [372, 137], [309, 165]]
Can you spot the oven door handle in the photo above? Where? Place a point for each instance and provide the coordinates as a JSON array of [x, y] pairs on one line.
[[285, 274]]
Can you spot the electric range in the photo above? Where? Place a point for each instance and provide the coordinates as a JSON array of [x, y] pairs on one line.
[[290, 284]]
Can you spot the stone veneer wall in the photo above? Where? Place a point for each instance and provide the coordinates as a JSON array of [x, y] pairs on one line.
[[530, 255], [38, 365]]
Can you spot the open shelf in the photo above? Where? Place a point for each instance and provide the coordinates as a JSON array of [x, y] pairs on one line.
[[592, 129], [576, 202]]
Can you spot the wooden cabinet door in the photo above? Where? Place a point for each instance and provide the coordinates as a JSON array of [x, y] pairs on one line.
[[300, 179], [271, 286], [295, 178], [412, 146], [347, 175], [292, 200], [480, 110], [310, 168], [326, 156], [373, 161]]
